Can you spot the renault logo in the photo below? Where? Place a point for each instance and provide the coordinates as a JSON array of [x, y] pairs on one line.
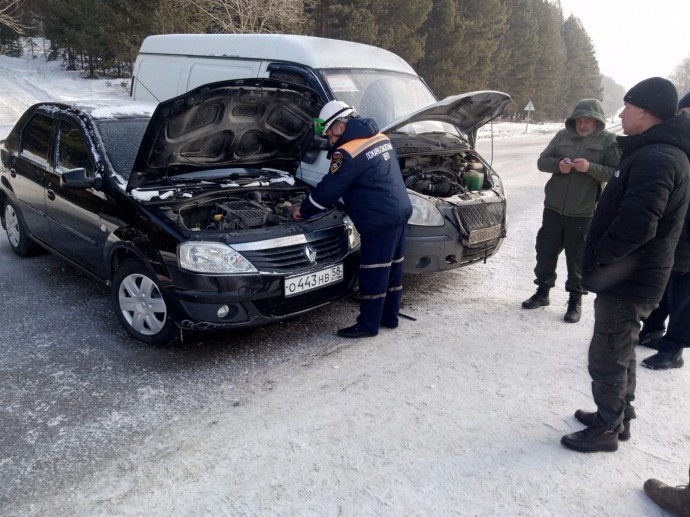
[[310, 254]]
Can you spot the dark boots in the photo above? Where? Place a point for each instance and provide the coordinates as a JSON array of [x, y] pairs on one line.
[[541, 299], [574, 311], [674, 499], [664, 360], [649, 339], [592, 439], [587, 418], [538, 299]]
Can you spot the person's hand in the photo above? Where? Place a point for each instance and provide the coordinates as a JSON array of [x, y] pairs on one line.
[[565, 165], [296, 213], [581, 164]]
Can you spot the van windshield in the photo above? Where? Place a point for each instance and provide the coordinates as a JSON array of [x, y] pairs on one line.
[[384, 96]]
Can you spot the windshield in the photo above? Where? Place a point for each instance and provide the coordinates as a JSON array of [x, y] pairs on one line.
[[384, 96], [121, 138]]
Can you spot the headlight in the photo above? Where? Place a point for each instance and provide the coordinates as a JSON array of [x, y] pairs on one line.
[[212, 257], [352, 234], [498, 183], [424, 212]]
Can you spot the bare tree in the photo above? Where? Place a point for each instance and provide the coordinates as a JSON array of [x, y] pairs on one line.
[[254, 16], [179, 16], [9, 16], [681, 76]]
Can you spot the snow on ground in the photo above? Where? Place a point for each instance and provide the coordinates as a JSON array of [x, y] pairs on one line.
[[26, 81], [458, 413]]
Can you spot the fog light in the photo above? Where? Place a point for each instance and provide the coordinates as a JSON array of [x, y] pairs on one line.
[[223, 311], [423, 263]]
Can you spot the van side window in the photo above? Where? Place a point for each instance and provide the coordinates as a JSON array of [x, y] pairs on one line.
[[36, 138], [289, 76], [297, 75], [72, 150]]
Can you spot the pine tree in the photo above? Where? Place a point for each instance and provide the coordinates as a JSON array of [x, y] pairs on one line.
[[549, 92], [442, 46], [399, 23], [581, 75], [519, 53]]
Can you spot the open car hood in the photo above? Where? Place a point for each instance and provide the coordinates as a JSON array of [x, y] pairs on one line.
[[239, 123], [467, 111]]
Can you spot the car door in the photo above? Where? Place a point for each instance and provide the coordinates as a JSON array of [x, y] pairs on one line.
[[28, 173], [74, 214]]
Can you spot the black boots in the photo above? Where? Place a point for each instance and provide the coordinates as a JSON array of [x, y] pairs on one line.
[[593, 439], [574, 311], [674, 499], [538, 299], [355, 332], [649, 339], [587, 418], [664, 360], [541, 299]]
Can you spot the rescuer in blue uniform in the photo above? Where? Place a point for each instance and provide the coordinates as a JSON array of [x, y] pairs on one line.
[[364, 171]]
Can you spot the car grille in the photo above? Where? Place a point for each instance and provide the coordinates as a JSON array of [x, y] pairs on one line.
[[480, 215], [476, 217], [329, 245], [479, 251], [281, 306]]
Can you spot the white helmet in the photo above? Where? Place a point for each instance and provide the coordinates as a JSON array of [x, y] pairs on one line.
[[331, 112]]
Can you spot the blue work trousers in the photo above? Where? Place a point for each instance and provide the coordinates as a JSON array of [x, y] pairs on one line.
[[380, 277]]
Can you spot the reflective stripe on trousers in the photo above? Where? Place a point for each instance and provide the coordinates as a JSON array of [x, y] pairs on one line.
[[380, 277]]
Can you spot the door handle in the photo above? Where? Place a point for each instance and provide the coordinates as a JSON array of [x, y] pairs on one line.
[[13, 172], [51, 194]]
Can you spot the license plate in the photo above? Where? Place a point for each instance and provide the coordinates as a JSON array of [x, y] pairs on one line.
[[484, 234], [303, 283]]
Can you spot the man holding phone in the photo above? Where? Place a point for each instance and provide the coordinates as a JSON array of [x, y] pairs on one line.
[[580, 159]]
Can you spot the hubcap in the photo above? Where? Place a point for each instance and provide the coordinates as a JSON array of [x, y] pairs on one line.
[[12, 223], [142, 304]]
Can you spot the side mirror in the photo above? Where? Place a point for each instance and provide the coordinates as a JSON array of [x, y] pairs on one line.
[[77, 179]]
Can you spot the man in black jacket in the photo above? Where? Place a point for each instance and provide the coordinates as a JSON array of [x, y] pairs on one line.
[[675, 304], [629, 253]]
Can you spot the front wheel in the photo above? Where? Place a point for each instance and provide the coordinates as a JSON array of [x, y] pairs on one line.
[[140, 305], [19, 238]]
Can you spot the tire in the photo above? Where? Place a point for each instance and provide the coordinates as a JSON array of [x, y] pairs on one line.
[[20, 242], [140, 305]]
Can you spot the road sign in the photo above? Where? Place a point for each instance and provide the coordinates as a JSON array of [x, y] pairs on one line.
[[528, 108]]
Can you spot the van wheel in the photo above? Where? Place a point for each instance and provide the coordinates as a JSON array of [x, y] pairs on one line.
[[140, 305], [19, 238]]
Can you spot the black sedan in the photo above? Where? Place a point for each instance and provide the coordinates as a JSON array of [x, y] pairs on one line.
[[184, 210]]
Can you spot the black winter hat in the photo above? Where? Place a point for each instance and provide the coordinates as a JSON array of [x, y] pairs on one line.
[[684, 102], [656, 95]]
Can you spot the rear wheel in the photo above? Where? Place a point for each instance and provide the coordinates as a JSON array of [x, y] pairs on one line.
[[140, 305], [19, 238]]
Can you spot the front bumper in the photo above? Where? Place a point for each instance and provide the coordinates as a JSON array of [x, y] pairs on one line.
[[251, 300], [430, 248]]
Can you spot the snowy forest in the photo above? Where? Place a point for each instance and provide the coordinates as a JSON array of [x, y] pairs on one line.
[[523, 47]]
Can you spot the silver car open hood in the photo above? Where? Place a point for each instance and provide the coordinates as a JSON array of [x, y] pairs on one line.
[[467, 111], [240, 123]]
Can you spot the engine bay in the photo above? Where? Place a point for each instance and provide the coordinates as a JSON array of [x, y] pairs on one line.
[[439, 166], [443, 176], [242, 210]]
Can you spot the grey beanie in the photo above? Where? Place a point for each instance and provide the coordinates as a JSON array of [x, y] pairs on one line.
[[655, 95]]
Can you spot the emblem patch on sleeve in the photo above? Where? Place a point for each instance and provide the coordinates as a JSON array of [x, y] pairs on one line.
[[336, 161]]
